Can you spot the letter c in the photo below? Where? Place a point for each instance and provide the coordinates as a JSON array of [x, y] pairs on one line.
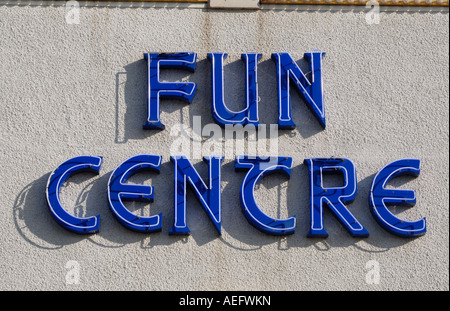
[[75, 165]]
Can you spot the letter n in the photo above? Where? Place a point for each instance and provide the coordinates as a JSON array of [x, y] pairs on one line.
[[209, 196], [310, 89]]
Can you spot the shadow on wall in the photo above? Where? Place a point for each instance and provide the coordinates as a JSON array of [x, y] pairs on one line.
[[35, 224], [131, 99]]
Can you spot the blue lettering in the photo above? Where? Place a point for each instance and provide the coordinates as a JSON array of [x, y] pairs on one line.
[[118, 190], [380, 197], [334, 198], [208, 196], [56, 180], [257, 168], [310, 89], [221, 113], [168, 90]]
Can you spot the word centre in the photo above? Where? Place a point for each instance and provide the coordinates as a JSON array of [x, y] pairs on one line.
[[209, 194]]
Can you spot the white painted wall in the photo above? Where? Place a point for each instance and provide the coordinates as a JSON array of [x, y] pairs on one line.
[[76, 89]]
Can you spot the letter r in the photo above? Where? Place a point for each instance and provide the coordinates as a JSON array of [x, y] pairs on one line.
[[334, 198]]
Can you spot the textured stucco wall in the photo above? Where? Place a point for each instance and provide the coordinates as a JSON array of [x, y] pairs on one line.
[[69, 90]]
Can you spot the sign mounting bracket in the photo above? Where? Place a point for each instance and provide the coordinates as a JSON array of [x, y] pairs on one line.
[[234, 4]]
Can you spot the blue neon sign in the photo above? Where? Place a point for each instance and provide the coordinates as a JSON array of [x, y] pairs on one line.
[[56, 180], [208, 190], [167, 90], [334, 198], [309, 86], [257, 168], [223, 115], [311, 89], [119, 190], [209, 194], [380, 198]]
